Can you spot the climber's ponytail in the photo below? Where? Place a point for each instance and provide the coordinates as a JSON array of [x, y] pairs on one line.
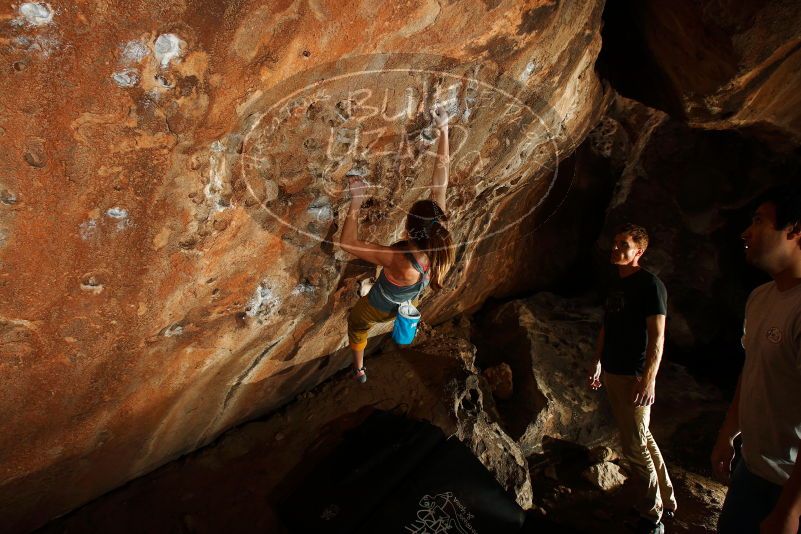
[[427, 231]]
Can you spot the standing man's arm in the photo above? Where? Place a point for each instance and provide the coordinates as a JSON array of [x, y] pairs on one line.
[[784, 517], [645, 390], [595, 368], [723, 453]]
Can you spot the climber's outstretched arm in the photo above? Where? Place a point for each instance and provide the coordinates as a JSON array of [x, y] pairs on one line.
[[439, 182], [349, 240]]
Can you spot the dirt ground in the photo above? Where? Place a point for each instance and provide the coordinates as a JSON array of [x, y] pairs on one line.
[[571, 504], [684, 421]]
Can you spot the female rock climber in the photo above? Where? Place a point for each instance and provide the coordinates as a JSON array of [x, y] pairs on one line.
[[407, 266]]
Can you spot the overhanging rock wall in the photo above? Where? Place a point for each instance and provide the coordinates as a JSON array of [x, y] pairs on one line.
[[171, 178], [716, 65]]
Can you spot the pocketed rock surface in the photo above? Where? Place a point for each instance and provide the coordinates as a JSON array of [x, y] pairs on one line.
[[171, 180]]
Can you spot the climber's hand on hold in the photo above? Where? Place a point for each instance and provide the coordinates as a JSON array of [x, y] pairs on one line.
[[441, 117]]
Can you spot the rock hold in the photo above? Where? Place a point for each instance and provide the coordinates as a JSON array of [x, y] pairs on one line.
[[546, 340], [605, 476], [35, 154]]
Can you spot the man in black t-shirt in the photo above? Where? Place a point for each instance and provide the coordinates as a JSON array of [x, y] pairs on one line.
[[629, 350]]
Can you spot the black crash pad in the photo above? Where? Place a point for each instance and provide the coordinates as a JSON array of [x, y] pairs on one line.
[[394, 474]]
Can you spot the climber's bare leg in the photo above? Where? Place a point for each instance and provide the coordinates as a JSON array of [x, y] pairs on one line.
[[358, 362]]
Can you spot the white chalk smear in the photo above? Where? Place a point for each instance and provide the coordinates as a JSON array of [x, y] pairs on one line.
[[303, 288], [215, 187], [92, 286], [121, 215], [39, 43], [174, 330], [87, 229], [36, 14], [321, 209], [263, 302], [134, 51], [168, 47], [531, 66], [126, 78], [117, 213]]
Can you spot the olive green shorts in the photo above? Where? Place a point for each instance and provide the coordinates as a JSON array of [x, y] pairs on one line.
[[362, 317]]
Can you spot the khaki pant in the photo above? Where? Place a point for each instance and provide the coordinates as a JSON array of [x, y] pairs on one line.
[[639, 446], [362, 317]]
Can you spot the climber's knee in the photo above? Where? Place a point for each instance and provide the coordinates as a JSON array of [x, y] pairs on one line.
[[360, 319]]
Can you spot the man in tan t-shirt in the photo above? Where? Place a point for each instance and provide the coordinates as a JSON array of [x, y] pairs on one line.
[[765, 489]]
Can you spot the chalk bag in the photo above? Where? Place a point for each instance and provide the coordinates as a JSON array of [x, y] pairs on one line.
[[405, 324]]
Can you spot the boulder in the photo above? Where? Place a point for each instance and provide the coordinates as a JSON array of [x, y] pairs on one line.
[[547, 341], [606, 476], [490, 443]]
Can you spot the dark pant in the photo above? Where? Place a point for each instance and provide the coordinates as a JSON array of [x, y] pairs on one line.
[[749, 500]]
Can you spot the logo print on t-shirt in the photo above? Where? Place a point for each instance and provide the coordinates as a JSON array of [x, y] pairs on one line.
[[615, 302], [774, 335]]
